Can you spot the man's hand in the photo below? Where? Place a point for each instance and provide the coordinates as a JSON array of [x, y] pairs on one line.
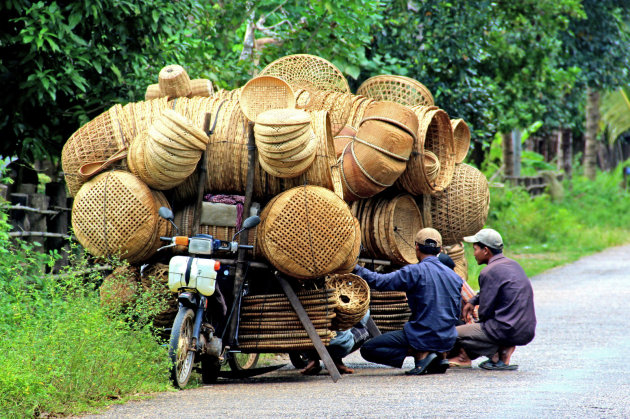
[[467, 311]]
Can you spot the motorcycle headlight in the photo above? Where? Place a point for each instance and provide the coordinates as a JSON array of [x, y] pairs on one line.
[[200, 246]]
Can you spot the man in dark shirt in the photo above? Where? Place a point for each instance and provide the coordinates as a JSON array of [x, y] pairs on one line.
[[506, 308], [434, 295]]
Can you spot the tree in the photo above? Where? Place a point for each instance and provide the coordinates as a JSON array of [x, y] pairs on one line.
[[600, 47], [64, 62], [487, 62]]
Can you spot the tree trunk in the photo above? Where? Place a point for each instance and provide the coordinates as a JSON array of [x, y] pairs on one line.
[[508, 154], [565, 151], [590, 138]]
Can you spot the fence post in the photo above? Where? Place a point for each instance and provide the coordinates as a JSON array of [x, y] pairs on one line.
[[58, 223]]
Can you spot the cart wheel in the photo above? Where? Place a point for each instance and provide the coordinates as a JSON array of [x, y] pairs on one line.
[[298, 359], [240, 361]]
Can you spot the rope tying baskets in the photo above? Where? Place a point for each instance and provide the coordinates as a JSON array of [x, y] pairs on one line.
[[307, 232], [399, 89], [461, 209], [116, 213], [95, 141], [435, 135], [389, 227], [352, 296], [461, 139], [304, 71], [263, 93]]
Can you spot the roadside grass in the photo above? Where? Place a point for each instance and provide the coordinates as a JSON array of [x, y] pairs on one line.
[[541, 233]]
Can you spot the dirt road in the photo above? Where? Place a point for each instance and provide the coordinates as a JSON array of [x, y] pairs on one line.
[[575, 367]]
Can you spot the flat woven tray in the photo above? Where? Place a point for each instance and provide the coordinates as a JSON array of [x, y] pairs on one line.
[[400, 89], [304, 71]]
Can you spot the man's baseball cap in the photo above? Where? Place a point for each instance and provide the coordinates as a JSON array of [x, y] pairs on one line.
[[488, 237], [429, 237]]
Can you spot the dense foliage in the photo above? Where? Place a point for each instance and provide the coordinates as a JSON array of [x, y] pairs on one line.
[[62, 352]]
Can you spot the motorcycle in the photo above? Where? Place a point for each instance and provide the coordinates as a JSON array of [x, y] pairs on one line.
[[194, 338]]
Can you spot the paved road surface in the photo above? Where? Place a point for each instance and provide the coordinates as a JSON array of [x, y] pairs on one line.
[[575, 367]]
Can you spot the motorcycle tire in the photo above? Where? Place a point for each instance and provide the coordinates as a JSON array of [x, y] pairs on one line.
[[180, 347], [210, 367], [240, 361], [299, 359]]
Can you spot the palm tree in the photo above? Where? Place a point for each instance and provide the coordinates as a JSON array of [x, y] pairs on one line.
[[615, 112]]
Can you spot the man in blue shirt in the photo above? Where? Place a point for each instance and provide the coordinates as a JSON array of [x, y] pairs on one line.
[[434, 295]]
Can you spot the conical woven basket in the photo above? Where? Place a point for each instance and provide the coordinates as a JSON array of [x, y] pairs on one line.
[[115, 213], [461, 209], [174, 81], [461, 139], [303, 71], [307, 232], [436, 135], [97, 140], [400, 89]]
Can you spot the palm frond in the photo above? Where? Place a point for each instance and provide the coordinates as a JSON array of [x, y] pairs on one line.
[[615, 112]]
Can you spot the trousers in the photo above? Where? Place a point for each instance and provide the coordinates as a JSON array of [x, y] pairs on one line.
[[474, 340], [390, 348]]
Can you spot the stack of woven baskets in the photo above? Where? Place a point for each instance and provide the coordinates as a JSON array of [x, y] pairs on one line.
[[389, 310], [387, 150]]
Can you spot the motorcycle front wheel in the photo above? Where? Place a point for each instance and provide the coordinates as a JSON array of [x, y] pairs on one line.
[[180, 348]]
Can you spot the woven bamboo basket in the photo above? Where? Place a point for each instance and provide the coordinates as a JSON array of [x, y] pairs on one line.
[[458, 254], [264, 93], [389, 309], [307, 232], [174, 81], [153, 92], [120, 288], [461, 139], [389, 227], [115, 213], [359, 105], [400, 89], [394, 114], [353, 299], [435, 135], [140, 115], [303, 71], [201, 87], [154, 280], [337, 104], [461, 209], [353, 257], [431, 166], [97, 140], [228, 94]]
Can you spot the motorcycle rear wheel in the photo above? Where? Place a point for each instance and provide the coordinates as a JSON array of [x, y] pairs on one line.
[[180, 348]]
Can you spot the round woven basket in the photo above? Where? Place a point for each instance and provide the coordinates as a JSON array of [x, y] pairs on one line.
[[353, 299], [337, 104], [115, 213], [394, 114], [307, 232], [458, 254], [399, 89], [174, 81], [263, 93], [304, 71], [120, 288], [435, 135], [461, 139], [341, 140], [201, 87], [431, 165], [461, 209], [389, 227], [95, 141], [359, 105], [154, 280]]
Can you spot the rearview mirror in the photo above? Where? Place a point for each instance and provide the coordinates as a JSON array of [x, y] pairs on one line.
[[251, 222], [166, 213]]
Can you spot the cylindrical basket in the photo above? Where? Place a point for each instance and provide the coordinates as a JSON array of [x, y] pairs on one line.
[[461, 139]]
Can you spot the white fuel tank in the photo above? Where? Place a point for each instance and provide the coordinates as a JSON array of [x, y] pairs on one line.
[[203, 274]]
